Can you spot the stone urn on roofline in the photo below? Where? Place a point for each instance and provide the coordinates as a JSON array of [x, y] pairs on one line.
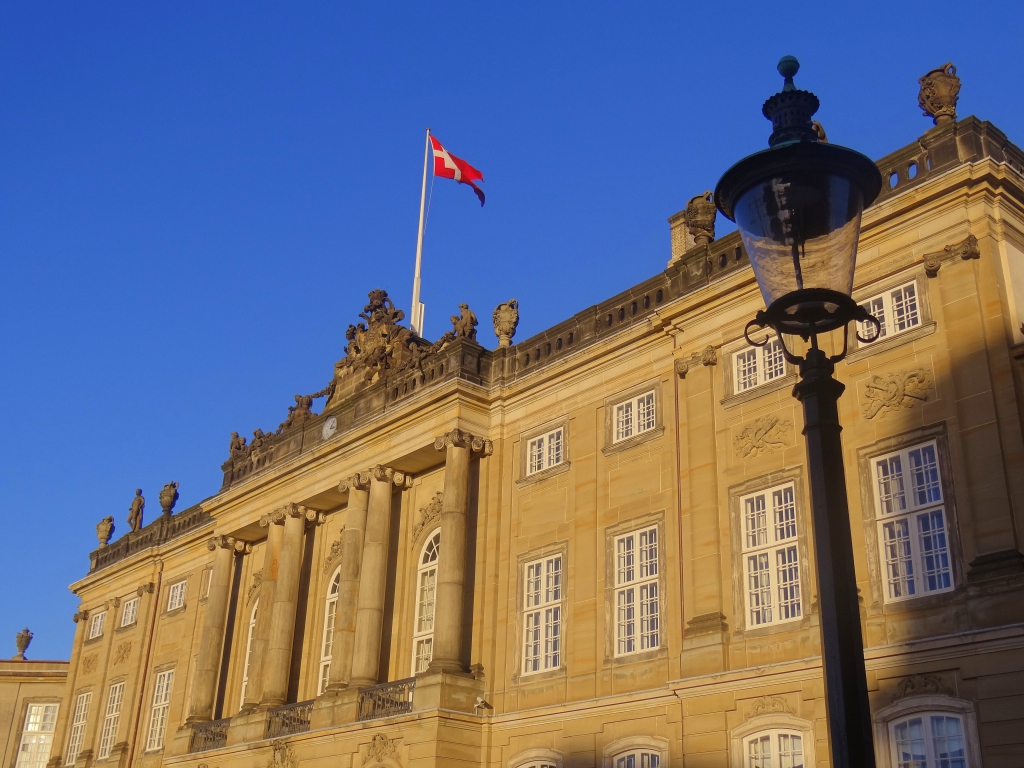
[[104, 530], [168, 496], [21, 641]]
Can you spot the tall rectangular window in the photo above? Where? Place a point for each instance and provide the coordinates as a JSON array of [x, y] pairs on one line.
[[158, 714], [542, 615], [771, 557], [96, 624], [758, 365], [129, 612], [637, 607], [634, 416], [912, 523], [78, 720], [110, 720], [176, 595], [896, 310], [545, 451], [37, 736]]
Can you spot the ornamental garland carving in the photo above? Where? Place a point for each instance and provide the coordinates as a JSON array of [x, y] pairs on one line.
[[895, 391], [381, 747], [769, 705], [764, 435], [428, 515], [123, 652], [89, 664], [919, 685], [257, 579]]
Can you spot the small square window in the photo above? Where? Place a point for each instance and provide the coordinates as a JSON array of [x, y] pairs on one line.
[[897, 310], [545, 451], [129, 612], [96, 624], [755, 366], [176, 595], [634, 416]]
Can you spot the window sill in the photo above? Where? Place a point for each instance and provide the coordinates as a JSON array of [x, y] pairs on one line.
[[544, 474], [924, 601], [759, 391], [93, 640], [539, 677], [175, 611], [635, 440], [864, 350], [632, 658], [127, 627], [804, 622]]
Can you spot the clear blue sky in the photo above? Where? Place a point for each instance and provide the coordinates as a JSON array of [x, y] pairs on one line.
[[195, 199]]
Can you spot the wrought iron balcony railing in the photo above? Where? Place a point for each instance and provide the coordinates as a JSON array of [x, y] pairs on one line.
[[291, 718], [386, 699], [211, 735]]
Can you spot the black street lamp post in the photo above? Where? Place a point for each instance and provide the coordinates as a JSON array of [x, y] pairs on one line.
[[798, 206]]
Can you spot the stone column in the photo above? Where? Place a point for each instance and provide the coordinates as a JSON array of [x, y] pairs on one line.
[[372, 580], [211, 643], [274, 522], [358, 487], [451, 566], [277, 659]]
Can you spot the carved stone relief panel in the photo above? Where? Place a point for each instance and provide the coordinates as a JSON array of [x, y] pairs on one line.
[[765, 434], [894, 391]]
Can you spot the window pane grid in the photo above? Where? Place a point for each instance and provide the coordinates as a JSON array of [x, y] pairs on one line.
[[96, 624], [545, 451], [930, 741], [759, 365], [161, 704], [772, 557], [78, 720], [637, 597], [176, 596], [897, 310], [130, 612], [37, 736], [327, 644], [775, 749], [912, 529], [111, 719], [542, 619], [426, 594]]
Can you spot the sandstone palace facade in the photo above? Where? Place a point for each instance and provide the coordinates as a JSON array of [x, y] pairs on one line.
[[591, 547]]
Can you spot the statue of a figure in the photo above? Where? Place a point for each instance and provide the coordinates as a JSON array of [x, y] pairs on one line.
[[415, 357], [299, 413], [465, 323], [237, 448], [136, 509], [168, 495]]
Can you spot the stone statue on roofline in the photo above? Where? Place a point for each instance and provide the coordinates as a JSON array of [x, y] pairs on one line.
[[136, 510], [464, 324]]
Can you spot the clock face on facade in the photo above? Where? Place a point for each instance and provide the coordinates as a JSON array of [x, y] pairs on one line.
[[329, 427]]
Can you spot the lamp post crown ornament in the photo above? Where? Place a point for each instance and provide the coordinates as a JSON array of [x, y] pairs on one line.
[[790, 109]]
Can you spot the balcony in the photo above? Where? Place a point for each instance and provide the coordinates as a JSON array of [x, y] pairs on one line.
[[386, 699], [289, 719], [211, 735]]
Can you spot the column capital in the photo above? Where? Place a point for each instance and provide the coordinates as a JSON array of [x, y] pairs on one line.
[[389, 475], [294, 510], [314, 516], [461, 439], [359, 481], [272, 518], [82, 615], [147, 588], [243, 547], [220, 542]]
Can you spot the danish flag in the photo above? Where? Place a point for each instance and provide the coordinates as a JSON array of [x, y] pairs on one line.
[[449, 166]]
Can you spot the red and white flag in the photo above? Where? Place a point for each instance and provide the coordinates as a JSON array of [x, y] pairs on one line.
[[449, 166]]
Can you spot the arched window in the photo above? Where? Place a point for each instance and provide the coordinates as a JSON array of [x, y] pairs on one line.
[[426, 584], [776, 748], [326, 647], [638, 758], [248, 648], [929, 740]]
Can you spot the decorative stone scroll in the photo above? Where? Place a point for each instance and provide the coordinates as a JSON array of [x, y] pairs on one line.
[[335, 552], [965, 250], [254, 588], [463, 439], [506, 320], [895, 391], [707, 356], [387, 474], [428, 515], [918, 685], [940, 89], [763, 435]]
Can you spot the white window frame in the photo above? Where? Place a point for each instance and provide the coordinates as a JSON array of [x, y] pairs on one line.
[[929, 738], [638, 758], [753, 367], [111, 719], [898, 310], [327, 641], [96, 623], [543, 583], [903, 510], [425, 602], [770, 557], [76, 734], [634, 416], [545, 451], [130, 612], [637, 588], [159, 710], [176, 595], [773, 737], [248, 650], [37, 735]]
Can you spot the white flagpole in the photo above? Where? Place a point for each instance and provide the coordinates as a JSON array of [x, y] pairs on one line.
[[417, 307]]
